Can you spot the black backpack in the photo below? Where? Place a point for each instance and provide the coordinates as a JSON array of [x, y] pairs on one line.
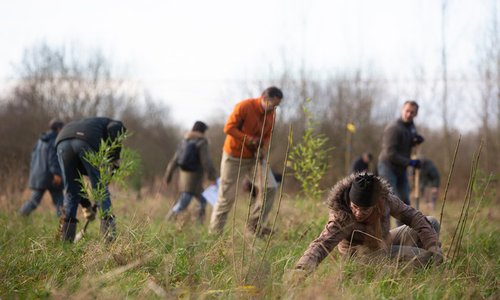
[[188, 156]]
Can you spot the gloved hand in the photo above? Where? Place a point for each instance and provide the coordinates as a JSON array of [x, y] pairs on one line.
[[437, 255], [417, 139], [89, 212], [57, 180], [294, 277], [414, 163]]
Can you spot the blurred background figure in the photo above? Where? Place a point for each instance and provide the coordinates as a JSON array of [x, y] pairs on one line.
[[193, 160], [429, 182], [362, 163], [45, 172]]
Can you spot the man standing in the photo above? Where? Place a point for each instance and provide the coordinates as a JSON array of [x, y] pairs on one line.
[[398, 139], [194, 161], [45, 172], [72, 143], [248, 131]]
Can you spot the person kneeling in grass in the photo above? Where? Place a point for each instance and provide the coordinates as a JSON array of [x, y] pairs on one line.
[[359, 219]]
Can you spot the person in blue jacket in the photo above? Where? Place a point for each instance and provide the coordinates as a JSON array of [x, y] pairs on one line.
[[45, 172], [74, 140]]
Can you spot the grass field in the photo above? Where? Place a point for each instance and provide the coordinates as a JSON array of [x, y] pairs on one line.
[[156, 259]]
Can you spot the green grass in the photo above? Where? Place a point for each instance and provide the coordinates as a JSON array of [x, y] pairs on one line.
[[155, 259]]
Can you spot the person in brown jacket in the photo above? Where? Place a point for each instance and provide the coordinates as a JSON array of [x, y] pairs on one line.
[[359, 220], [193, 160]]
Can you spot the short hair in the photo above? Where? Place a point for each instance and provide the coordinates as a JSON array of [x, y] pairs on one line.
[[273, 92], [200, 127], [412, 103], [55, 124]]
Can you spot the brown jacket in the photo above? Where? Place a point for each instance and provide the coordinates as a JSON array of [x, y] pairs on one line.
[[354, 237], [192, 182]]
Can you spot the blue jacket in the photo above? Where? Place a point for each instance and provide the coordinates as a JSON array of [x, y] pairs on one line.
[[44, 163]]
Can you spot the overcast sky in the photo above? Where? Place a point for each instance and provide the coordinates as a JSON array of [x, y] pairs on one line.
[[191, 53]]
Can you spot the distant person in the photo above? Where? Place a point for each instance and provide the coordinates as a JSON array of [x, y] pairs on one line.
[[253, 119], [429, 179], [45, 172], [362, 163], [72, 143], [193, 160], [359, 225], [397, 141]]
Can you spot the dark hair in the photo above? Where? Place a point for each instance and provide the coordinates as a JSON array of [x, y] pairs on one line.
[[55, 124], [412, 103], [199, 126], [273, 92]]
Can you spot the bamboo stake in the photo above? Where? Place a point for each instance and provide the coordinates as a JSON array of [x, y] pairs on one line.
[[279, 199], [449, 179]]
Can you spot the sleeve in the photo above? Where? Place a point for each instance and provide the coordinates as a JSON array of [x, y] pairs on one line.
[[206, 162], [235, 122], [331, 235], [54, 166], [392, 140], [171, 167], [267, 135], [415, 220]]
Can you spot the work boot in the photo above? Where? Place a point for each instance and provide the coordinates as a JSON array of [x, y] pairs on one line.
[[67, 229], [108, 228], [263, 230]]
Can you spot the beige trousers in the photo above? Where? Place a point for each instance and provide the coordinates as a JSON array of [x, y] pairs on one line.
[[227, 191]]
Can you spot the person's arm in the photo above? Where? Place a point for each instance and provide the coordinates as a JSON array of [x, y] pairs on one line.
[[54, 166], [206, 162], [235, 123], [171, 167], [331, 235], [414, 219], [392, 140]]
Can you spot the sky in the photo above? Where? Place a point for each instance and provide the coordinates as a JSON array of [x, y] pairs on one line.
[[194, 54]]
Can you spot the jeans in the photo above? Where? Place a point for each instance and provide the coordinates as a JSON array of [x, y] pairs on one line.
[[405, 240], [36, 198], [185, 199], [71, 158], [398, 182]]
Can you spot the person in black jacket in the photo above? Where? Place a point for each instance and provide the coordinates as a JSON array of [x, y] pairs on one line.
[[72, 143], [362, 163], [398, 139], [45, 172]]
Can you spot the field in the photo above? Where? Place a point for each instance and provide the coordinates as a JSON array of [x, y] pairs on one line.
[[153, 258]]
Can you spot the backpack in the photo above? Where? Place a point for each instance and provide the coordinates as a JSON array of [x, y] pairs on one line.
[[188, 157]]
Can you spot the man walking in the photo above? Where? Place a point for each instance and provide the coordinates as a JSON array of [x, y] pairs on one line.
[[193, 160], [248, 131], [45, 172], [72, 143], [398, 139]]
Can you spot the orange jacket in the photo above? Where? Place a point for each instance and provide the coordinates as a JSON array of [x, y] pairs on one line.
[[247, 118]]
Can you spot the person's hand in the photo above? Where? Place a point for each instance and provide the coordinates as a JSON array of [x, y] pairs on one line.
[[294, 277], [253, 141], [437, 255], [414, 163], [57, 180], [418, 139], [89, 212]]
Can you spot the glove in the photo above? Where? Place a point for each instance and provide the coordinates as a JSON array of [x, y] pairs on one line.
[[437, 255], [57, 180], [418, 139], [89, 212], [414, 163], [295, 277]]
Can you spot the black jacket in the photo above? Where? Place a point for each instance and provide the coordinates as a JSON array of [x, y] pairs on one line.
[[397, 142], [92, 131]]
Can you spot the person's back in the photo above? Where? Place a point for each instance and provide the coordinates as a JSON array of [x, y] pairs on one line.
[[193, 160], [362, 163]]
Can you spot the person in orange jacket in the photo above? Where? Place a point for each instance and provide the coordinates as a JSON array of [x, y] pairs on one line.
[[248, 131]]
